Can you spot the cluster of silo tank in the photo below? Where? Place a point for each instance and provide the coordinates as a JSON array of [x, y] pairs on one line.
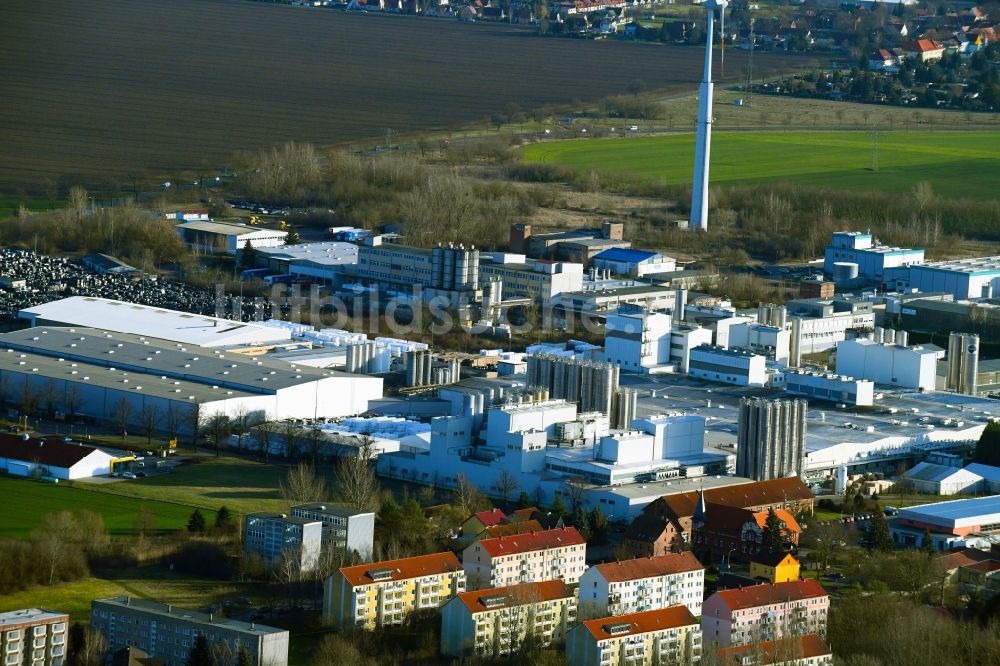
[[422, 370], [890, 336], [623, 408], [455, 268], [366, 358], [590, 384], [599, 273], [963, 362], [770, 314]]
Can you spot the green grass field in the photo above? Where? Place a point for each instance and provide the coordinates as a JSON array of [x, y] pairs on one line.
[[147, 583], [9, 204], [241, 485], [26, 501], [956, 164]]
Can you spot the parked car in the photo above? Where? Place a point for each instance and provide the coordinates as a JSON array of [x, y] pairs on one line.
[[128, 475]]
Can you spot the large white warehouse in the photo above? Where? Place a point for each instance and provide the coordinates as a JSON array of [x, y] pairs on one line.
[[173, 325], [93, 372]]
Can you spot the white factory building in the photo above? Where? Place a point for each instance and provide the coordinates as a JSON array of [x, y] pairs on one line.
[[145, 320], [322, 262], [888, 363], [634, 263], [641, 340], [933, 479], [773, 342], [541, 444], [827, 386], [95, 372], [964, 278], [227, 237], [728, 366], [863, 255], [21, 455]]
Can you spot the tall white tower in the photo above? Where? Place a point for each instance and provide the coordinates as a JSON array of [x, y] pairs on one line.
[[703, 139]]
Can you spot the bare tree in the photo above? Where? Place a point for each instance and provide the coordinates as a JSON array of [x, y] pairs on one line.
[[314, 441], [150, 418], [264, 432], [355, 477], [222, 653], [292, 434], [507, 485], [29, 400], [52, 542], [303, 485], [73, 400], [240, 423], [93, 650], [467, 496], [122, 414], [49, 398], [574, 488], [196, 422], [172, 418], [217, 426]]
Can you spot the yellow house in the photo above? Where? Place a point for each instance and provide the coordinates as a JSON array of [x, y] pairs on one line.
[[384, 593], [774, 567]]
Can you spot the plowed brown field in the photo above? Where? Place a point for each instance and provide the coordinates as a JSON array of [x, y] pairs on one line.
[[115, 89]]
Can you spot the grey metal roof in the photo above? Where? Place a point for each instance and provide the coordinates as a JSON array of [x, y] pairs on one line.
[[150, 356], [932, 472]]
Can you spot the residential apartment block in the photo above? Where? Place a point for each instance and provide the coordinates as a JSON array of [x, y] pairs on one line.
[[665, 636], [345, 530], [642, 584], [498, 621], [384, 593], [167, 633], [274, 536], [33, 637], [520, 558], [764, 613], [806, 650]]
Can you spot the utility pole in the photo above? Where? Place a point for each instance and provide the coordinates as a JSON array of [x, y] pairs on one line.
[[749, 84]]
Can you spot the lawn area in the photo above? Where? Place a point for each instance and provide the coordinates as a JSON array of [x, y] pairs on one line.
[[956, 164], [244, 486], [823, 514], [26, 501], [147, 583], [9, 204]]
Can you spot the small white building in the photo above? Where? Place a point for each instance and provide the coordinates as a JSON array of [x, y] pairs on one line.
[[227, 237], [771, 341], [648, 583], [729, 366], [634, 263], [943, 480], [886, 363], [637, 340], [24, 456]]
